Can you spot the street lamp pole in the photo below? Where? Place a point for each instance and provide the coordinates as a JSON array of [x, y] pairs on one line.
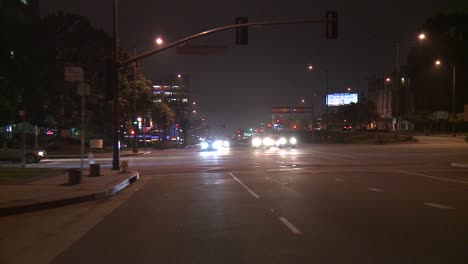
[[326, 97], [115, 106], [453, 99], [135, 147], [397, 90]]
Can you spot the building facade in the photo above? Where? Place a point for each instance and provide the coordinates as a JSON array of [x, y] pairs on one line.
[[393, 99]]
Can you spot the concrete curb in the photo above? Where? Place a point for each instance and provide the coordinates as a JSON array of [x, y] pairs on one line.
[[69, 201], [459, 165]]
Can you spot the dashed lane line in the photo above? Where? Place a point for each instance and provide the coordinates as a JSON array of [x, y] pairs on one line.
[[245, 186]]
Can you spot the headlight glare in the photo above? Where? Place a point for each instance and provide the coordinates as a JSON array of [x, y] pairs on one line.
[[293, 141], [204, 145]]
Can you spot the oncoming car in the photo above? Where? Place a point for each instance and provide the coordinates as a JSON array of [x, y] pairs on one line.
[[13, 151], [216, 144], [268, 141]]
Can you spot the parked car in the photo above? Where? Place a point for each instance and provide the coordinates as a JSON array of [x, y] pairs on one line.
[[13, 151]]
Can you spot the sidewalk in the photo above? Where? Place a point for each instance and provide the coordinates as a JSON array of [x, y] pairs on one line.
[[98, 154], [54, 191]]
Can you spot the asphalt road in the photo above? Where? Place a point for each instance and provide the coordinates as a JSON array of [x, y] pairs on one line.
[[314, 204]]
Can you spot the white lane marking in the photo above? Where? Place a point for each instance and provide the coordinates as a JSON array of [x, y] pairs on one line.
[[291, 227], [375, 189], [245, 186], [439, 206], [432, 177], [339, 180]]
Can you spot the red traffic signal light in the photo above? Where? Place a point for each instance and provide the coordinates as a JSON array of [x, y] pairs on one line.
[[132, 132], [294, 126]]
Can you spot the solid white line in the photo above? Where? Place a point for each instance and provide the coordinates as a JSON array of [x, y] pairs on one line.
[[432, 177], [290, 226], [245, 186], [439, 206], [374, 190]]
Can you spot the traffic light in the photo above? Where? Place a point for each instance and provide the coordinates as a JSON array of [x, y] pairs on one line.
[[294, 126], [132, 132], [242, 33], [331, 24], [135, 122]]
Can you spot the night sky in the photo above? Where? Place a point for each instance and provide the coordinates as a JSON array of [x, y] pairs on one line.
[[239, 87]]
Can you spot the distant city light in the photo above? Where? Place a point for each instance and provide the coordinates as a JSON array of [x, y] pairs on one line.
[[311, 67], [348, 89], [179, 75], [387, 79], [438, 62], [422, 36]]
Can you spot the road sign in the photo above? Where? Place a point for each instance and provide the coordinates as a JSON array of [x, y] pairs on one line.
[[440, 115], [73, 74]]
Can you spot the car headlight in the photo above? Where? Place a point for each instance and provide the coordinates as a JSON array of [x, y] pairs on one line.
[[226, 144], [256, 142], [282, 141], [267, 141], [217, 144], [41, 153], [204, 145], [293, 141]]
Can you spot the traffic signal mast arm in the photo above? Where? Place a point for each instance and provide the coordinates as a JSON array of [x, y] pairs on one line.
[[212, 31]]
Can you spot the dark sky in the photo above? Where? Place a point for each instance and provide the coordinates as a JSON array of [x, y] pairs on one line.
[[240, 87]]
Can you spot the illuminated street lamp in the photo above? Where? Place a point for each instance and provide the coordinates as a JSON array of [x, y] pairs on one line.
[[159, 41], [422, 36], [388, 79], [348, 89], [437, 64], [179, 75], [312, 68]]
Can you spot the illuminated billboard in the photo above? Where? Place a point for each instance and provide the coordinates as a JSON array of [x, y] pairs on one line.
[[338, 99]]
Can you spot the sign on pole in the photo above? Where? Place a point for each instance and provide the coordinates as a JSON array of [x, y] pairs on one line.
[[73, 74]]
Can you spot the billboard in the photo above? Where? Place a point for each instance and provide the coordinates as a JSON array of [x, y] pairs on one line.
[[338, 99]]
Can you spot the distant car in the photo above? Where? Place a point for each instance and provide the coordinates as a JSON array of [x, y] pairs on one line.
[[347, 128], [214, 144], [13, 151], [274, 140]]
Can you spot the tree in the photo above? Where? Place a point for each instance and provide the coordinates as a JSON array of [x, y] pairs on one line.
[[358, 114]]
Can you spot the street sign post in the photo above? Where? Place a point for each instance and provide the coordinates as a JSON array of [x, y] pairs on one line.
[[83, 90]]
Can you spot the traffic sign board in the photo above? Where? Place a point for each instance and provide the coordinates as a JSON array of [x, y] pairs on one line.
[[73, 74]]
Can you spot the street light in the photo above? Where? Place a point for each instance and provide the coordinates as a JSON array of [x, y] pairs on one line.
[[388, 79], [422, 36], [439, 63], [159, 41], [311, 68]]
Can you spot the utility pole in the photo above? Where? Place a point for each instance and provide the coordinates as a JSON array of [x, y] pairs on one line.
[[135, 127], [397, 91], [115, 106], [454, 133]]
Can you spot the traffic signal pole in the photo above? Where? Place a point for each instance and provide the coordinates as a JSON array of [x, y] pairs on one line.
[[118, 64]]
